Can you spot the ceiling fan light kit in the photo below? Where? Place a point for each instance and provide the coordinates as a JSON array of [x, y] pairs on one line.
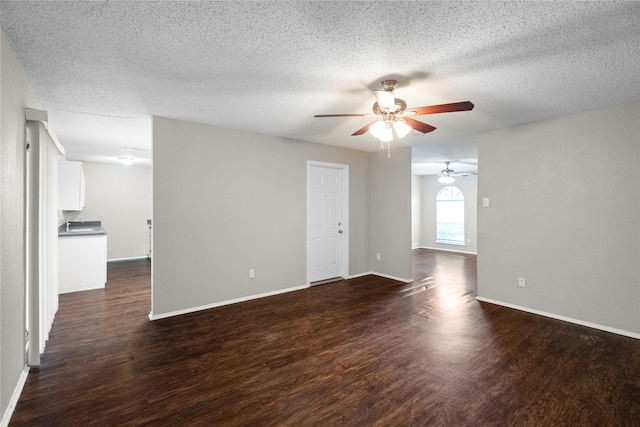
[[401, 128], [447, 179], [393, 114], [381, 131]]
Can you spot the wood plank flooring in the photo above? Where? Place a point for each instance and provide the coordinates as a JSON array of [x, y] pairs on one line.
[[361, 352]]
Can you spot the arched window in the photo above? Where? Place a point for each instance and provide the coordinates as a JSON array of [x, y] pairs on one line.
[[450, 216]]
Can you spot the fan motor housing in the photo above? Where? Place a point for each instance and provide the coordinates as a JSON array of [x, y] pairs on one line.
[[400, 107]]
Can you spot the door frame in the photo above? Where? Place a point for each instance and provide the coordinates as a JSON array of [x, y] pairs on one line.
[[344, 189]]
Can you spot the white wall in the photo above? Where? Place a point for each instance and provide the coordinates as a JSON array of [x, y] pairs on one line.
[[121, 197], [565, 215], [430, 188], [390, 213], [16, 94], [227, 201], [416, 211]]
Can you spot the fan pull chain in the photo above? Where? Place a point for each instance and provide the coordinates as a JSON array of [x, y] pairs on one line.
[[388, 148]]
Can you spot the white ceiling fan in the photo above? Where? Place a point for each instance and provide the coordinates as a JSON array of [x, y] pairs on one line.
[[447, 175]]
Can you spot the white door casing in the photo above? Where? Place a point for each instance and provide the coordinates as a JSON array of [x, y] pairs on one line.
[[327, 221]]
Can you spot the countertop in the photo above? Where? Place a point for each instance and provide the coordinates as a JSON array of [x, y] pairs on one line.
[[86, 228]]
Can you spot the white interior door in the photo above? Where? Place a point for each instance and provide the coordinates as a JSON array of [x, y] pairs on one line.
[[326, 221]]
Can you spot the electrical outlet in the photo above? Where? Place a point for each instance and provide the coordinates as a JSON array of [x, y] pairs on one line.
[[521, 282], [485, 202], [378, 257], [252, 274]]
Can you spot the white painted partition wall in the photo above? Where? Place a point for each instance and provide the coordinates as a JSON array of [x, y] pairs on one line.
[[227, 203], [390, 214], [564, 214]]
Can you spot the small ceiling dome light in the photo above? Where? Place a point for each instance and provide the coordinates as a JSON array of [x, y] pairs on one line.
[[126, 160]]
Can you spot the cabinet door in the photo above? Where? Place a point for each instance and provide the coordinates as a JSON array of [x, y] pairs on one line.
[[71, 186], [82, 263], [81, 196]]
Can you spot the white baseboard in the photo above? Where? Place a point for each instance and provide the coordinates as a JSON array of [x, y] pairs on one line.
[[355, 276], [386, 276], [80, 288], [6, 417], [563, 318], [135, 258], [446, 250], [153, 316], [227, 302]]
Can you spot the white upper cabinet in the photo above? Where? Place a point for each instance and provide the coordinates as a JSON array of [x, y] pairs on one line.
[[70, 186]]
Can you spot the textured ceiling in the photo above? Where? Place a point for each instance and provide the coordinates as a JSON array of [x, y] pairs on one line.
[[101, 69]]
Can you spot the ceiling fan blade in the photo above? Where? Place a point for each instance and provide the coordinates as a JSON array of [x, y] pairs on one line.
[[442, 108], [342, 115], [419, 126], [364, 129], [385, 99]]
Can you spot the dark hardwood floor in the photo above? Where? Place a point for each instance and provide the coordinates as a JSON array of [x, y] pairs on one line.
[[361, 352]]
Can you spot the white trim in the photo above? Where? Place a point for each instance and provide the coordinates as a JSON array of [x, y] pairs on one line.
[[6, 417], [563, 318], [227, 302], [344, 169], [133, 258], [446, 250], [386, 276], [81, 288], [43, 117], [256, 296], [355, 276]]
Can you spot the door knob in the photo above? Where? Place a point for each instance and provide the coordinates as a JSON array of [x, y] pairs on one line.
[[340, 231]]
